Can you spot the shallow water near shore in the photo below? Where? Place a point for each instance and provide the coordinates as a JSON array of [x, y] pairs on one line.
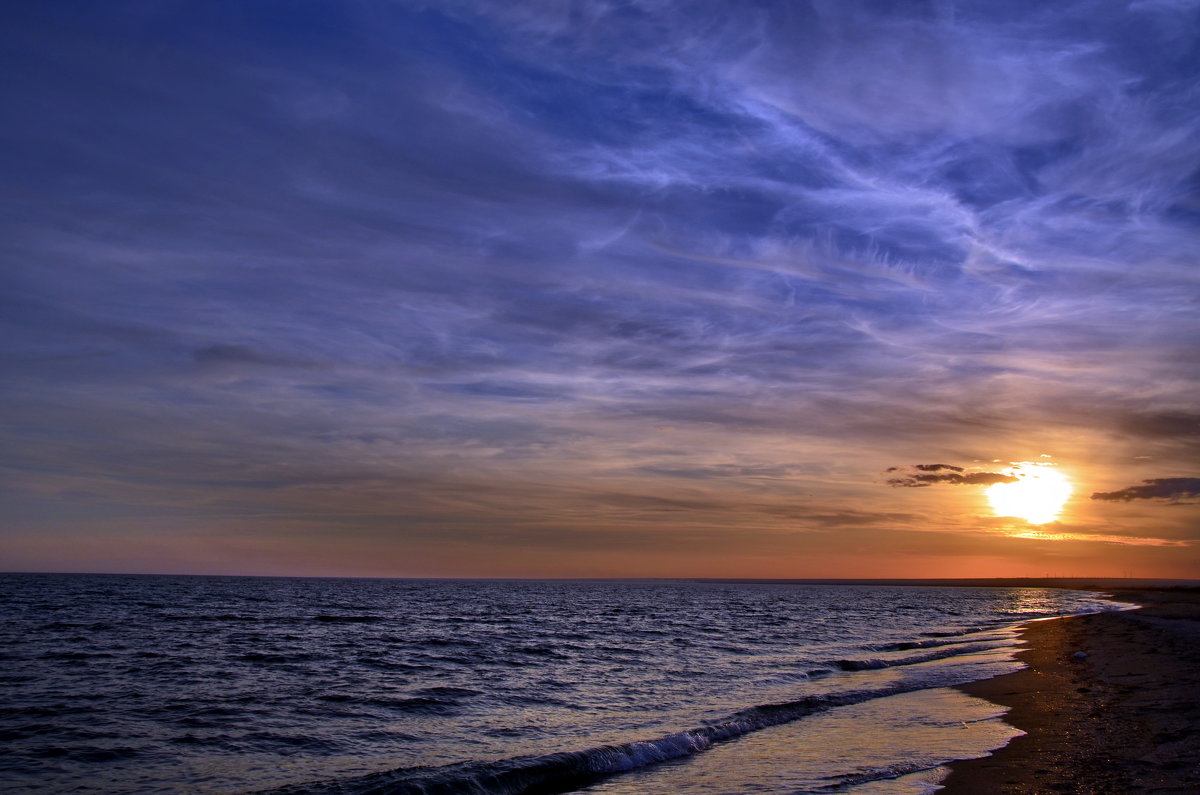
[[223, 684], [894, 744]]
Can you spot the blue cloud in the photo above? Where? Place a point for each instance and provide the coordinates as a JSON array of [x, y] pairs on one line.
[[242, 236]]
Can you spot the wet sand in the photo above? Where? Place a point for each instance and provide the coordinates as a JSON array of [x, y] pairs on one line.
[[1124, 719]]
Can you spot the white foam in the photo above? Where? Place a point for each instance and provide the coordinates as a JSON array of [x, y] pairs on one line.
[[886, 746]]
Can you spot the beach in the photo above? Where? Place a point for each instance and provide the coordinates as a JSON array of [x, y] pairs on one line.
[[1110, 703]]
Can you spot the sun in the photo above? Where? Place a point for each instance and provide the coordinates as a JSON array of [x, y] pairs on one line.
[[1037, 496]]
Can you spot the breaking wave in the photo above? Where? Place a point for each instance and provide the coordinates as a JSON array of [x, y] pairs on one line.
[[562, 772]]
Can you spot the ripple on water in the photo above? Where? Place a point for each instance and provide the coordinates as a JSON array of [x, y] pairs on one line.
[[164, 683]]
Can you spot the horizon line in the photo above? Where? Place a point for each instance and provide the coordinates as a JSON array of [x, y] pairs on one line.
[[729, 579]]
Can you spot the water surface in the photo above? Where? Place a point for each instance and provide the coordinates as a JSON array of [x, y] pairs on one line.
[[230, 684]]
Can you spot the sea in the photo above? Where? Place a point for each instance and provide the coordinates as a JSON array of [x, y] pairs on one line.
[[157, 684]]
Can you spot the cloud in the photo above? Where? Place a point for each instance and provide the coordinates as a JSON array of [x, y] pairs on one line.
[[1173, 489], [496, 243], [925, 475]]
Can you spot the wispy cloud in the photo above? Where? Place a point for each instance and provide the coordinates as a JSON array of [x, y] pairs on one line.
[[1173, 489], [931, 474], [501, 246]]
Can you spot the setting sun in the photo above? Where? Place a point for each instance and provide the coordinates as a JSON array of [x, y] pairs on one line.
[[1036, 496]]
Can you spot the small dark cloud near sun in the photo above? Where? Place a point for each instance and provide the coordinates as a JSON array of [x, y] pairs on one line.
[[1173, 489], [931, 474], [928, 468]]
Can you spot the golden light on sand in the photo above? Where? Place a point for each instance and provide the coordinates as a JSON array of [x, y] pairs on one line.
[[1037, 496]]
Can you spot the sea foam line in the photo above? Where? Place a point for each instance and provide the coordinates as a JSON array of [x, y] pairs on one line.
[[564, 771], [548, 774]]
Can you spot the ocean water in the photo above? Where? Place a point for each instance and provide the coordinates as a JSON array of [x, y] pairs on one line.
[[118, 683]]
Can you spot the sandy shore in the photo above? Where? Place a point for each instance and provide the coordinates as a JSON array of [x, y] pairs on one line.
[[1125, 719]]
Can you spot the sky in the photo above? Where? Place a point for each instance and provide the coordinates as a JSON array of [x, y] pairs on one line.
[[599, 288]]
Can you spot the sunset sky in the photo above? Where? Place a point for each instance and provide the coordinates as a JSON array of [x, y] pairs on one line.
[[609, 288]]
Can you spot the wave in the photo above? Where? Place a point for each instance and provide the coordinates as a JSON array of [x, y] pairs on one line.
[[85, 753], [29, 730], [965, 631], [275, 657], [565, 771], [76, 655], [335, 619], [876, 663], [418, 705], [928, 643], [92, 625], [541, 651], [801, 676], [845, 782], [562, 772]]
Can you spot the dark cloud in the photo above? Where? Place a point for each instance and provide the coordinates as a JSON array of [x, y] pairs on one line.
[[927, 468], [932, 474], [1173, 489]]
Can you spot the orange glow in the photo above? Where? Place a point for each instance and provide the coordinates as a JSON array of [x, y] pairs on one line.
[[1037, 496], [1040, 535]]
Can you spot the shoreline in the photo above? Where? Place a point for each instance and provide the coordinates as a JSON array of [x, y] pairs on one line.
[[1123, 719]]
